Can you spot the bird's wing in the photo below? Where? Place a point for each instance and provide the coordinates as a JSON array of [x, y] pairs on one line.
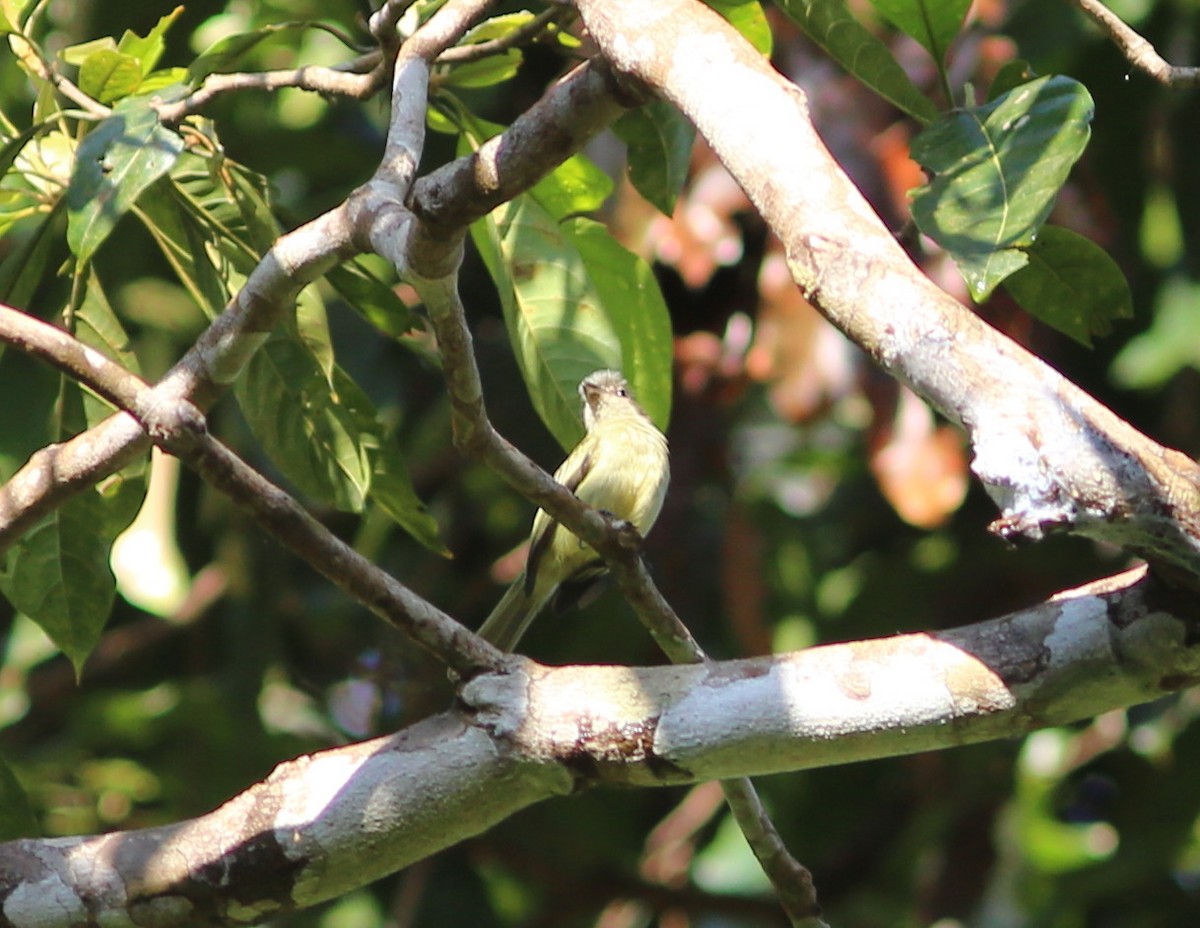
[[541, 540]]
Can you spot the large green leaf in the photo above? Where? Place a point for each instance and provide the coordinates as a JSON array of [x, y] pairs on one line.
[[323, 433], [58, 573], [1072, 284], [633, 302], [933, 23], [117, 160], [995, 171], [299, 418], [225, 52], [391, 485], [567, 315], [183, 239], [659, 142], [850, 44], [108, 75]]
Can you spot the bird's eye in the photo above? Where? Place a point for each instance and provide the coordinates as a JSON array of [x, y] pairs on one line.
[[621, 391]]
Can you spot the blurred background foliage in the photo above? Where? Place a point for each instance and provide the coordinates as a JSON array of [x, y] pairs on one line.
[[813, 500]]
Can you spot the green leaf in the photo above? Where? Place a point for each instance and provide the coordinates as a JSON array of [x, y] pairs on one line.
[[13, 146], [303, 424], [1012, 74], [1071, 284], [149, 49], [575, 186], [850, 44], [225, 52], [16, 813], [22, 271], [78, 54], [995, 172], [157, 81], [748, 18], [558, 320], [485, 72], [659, 140], [391, 485], [249, 191], [108, 75], [370, 296], [97, 326], [117, 161], [634, 303], [170, 220], [58, 575], [933, 23]]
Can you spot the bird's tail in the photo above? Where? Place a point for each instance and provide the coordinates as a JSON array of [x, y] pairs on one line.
[[512, 616]]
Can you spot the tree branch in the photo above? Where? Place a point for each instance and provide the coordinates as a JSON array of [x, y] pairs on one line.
[[180, 428], [322, 825], [1136, 49], [570, 113], [1052, 458]]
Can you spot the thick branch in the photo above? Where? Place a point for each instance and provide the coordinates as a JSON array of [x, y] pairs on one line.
[[1051, 456], [325, 824]]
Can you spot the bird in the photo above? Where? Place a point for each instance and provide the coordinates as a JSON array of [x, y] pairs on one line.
[[621, 466]]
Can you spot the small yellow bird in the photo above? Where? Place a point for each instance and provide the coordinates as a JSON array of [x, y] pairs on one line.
[[620, 466]]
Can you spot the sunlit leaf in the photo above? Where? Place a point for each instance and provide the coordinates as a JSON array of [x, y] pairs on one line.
[[485, 72], [748, 18], [634, 303], [850, 44], [117, 160], [995, 171], [148, 49], [566, 319], [108, 76], [225, 52], [78, 54]]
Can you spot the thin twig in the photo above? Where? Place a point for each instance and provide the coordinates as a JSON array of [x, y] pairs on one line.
[[1138, 51], [337, 82], [179, 427], [460, 53]]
